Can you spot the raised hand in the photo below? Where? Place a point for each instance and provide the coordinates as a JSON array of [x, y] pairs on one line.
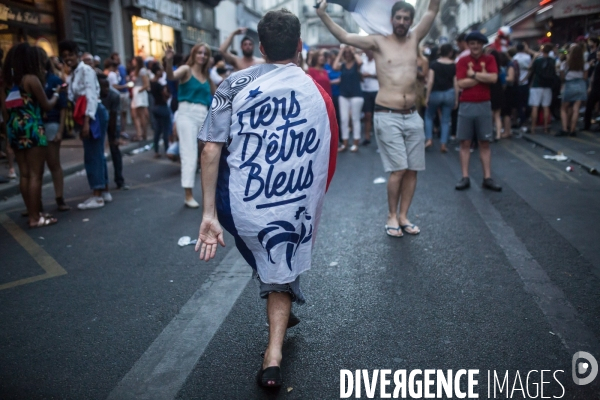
[[321, 7], [483, 67], [209, 237], [169, 52], [240, 31]]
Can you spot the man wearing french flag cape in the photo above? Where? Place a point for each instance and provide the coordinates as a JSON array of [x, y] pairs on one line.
[[269, 156], [398, 127]]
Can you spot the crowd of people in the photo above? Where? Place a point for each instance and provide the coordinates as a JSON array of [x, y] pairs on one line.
[[82, 95], [384, 86]]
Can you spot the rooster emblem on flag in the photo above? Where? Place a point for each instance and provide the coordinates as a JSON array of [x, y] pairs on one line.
[[280, 232]]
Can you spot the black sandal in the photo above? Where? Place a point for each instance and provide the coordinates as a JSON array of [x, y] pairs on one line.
[[62, 206], [269, 377]]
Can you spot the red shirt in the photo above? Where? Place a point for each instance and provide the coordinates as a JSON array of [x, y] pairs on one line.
[[322, 78], [481, 91]]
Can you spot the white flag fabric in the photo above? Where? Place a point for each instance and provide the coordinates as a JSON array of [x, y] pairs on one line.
[[279, 163], [373, 16]]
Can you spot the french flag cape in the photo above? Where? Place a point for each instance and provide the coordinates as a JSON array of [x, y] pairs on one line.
[[373, 16], [274, 173]]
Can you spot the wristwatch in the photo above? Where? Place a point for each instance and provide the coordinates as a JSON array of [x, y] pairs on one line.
[[473, 76]]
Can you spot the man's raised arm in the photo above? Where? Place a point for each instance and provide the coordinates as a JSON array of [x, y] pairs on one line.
[[352, 39], [426, 21], [224, 49]]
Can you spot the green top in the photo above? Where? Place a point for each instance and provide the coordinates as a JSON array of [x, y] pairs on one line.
[[24, 125], [194, 91]]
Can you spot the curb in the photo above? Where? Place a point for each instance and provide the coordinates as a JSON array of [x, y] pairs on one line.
[[12, 189], [578, 158]]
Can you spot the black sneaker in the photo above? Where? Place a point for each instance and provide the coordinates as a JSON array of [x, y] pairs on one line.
[[489, 183], [366, 142], [463, 184]]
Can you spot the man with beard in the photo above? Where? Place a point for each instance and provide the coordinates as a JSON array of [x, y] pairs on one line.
[[398, 127], [248, 59]]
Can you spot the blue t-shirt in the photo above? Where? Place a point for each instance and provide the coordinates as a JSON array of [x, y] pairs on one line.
[[53, 81], [123, 77], [350, 84], [333, 74]]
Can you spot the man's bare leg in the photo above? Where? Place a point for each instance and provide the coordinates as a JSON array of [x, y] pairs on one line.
[[407, 191], [485, 155], [546, 119], [534, 117], [465, 155], [279, 306], [393, 190]]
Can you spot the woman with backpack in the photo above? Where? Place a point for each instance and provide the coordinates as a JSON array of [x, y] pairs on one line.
[[573, 73]]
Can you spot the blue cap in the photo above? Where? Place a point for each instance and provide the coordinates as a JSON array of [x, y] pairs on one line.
[[478, 36]]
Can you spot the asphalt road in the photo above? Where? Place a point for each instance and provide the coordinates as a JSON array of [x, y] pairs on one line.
[[496, 282]]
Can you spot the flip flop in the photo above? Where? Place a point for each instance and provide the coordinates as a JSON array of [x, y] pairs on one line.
[[45, 220], [391, 228], [413, 227], [269, 377]]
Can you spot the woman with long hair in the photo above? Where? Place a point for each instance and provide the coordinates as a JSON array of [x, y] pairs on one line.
[[318, 72], [24, 99], [54, 123], [442, 93], [139, 104], [573, 73], [194, 94], [351, 97]]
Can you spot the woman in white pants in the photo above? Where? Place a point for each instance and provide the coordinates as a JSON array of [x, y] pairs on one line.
[[195, 95], [351, 96]]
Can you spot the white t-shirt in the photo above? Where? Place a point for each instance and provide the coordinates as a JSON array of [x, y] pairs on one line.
[[369, 84], [113, 78], [524, 60], [570, 75]]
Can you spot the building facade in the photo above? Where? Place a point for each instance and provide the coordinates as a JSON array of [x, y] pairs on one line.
[[560, 21], [314, 32]]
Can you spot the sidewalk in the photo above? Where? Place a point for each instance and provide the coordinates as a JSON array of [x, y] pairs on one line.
[[584, 149], [71, 156]]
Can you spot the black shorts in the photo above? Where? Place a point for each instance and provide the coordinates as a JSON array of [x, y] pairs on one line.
[[369, 104]]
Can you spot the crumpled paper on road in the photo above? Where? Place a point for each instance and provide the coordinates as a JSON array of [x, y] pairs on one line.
[[558, 157]]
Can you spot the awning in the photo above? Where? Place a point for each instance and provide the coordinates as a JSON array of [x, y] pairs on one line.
[[544, 14], [572, 8], [514, 22]]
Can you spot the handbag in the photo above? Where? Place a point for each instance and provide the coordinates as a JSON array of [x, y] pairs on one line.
[[79, 110]]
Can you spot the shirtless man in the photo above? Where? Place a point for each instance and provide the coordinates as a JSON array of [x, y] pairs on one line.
[[398, 126], [248, 59]]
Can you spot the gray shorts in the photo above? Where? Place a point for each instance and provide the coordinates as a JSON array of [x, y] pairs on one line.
[[401, 141], [475, 120], [293, 288]]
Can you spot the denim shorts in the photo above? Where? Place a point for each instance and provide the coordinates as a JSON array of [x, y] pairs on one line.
[[51, 129], [575, 90], [293, 288]]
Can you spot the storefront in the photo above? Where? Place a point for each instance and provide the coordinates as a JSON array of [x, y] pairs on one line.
[[573, 18], [34, 22], [153, 24]]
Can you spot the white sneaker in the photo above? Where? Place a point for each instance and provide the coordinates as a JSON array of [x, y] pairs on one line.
[[107, 197], [91, 203], [192, 203]]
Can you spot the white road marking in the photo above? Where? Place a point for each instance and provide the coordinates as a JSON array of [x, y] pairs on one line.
[[162, 370], [551, 300]]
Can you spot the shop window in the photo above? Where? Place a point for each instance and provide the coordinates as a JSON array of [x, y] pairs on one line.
[[149, 37]]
